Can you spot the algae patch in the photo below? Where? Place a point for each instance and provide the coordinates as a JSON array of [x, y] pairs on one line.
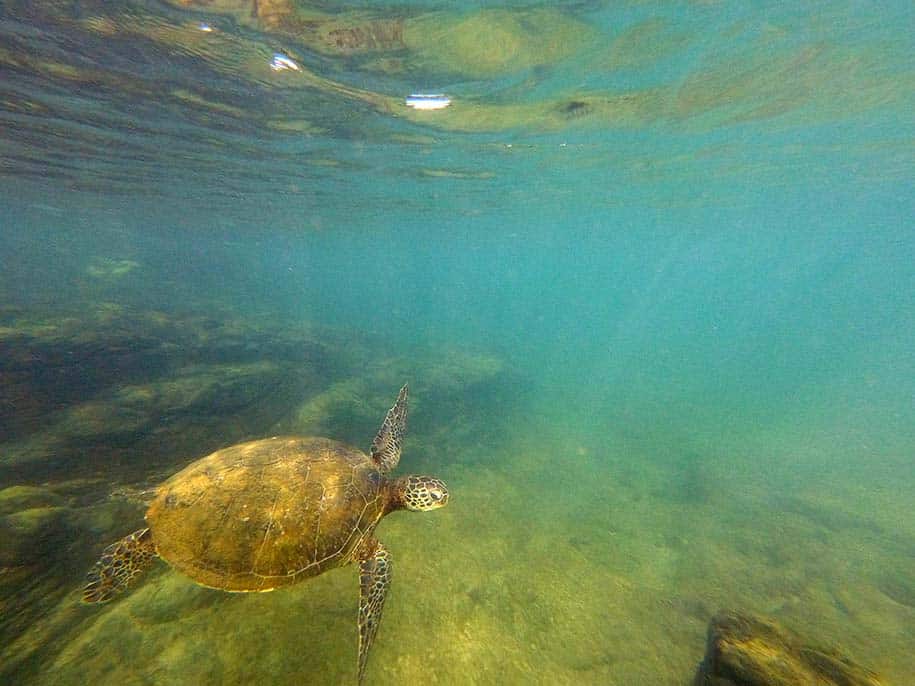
[[109, 269]]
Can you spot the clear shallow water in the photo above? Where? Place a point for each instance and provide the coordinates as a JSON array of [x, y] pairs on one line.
[[650, 277]]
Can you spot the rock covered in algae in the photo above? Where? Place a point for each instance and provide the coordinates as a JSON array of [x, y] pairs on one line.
[[748, 651], [114, 378], [34, 522], [456, 370], [26, 534], [17, 498]]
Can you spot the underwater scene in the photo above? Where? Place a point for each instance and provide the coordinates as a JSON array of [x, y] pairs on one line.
[[646, 271]]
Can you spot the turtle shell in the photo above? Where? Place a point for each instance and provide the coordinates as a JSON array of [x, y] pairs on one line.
[[267, 513]]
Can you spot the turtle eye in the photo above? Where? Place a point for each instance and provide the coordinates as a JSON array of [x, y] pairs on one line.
[[436, 495]]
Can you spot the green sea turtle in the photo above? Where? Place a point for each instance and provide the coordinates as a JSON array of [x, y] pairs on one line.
[[273, 512]]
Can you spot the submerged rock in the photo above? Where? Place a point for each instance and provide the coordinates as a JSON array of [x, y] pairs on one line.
[[27, 535], [104, 389], [747, 651], [32, 519], [21, 497]]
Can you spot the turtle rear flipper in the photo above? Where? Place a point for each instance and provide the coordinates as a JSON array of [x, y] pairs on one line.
[[119, 565], [374, 579]]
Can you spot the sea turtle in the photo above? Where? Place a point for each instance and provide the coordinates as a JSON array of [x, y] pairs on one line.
[[273, 512]]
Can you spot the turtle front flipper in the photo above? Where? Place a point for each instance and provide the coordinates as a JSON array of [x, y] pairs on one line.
[[374, 579], [389, 439], [119, 565]]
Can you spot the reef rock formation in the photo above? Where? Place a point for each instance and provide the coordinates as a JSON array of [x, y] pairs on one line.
[[750, 651]]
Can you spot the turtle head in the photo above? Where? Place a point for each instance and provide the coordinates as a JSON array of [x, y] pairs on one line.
[[420, 493]]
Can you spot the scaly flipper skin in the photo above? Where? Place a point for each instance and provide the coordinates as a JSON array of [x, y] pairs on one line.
[[374, 579], [388, 442], [119, 565]]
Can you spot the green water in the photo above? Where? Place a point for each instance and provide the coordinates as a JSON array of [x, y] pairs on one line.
[[651, 278]]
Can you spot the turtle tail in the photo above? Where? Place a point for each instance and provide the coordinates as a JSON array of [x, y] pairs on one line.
[[119, 565]]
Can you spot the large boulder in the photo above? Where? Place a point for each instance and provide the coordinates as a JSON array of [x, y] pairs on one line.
[[750, 651]]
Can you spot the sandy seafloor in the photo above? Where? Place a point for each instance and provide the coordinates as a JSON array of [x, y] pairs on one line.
[[573, 551]]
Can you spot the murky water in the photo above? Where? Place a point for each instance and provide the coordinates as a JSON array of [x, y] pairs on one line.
[[650, 277]]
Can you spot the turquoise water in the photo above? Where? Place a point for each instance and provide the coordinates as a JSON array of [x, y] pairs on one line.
[[650, 276]]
